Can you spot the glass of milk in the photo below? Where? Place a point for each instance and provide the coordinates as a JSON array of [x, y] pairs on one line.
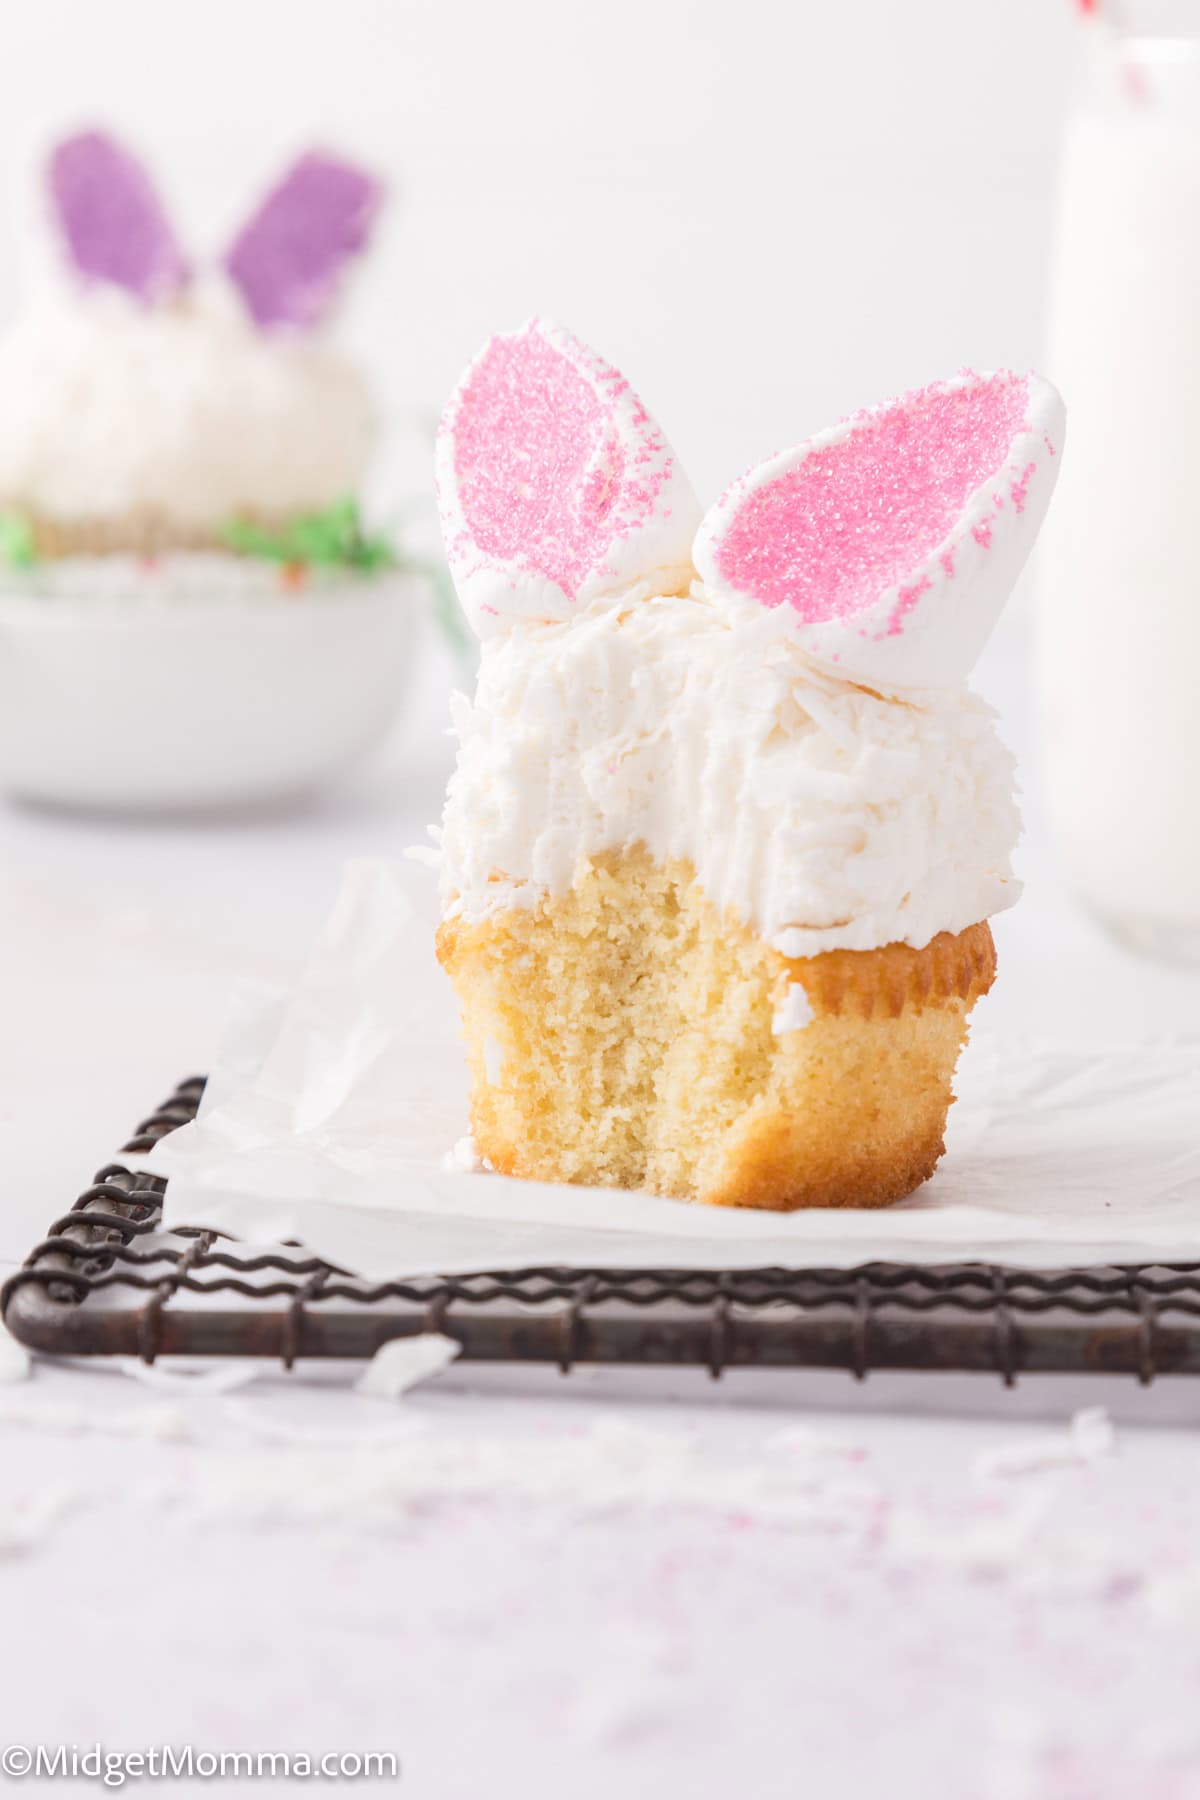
[[1120, 576]]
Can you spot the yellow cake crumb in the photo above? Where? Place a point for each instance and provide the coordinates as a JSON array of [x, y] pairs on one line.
[[621, 1035]]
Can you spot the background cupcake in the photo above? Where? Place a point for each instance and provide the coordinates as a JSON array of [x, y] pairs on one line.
[[150, 406], [181, 432]]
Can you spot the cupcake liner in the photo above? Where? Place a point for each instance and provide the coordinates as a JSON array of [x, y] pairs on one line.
[[955, 965], [147, 533]]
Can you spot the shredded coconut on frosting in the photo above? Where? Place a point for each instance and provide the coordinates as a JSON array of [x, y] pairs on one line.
[[827, 816]]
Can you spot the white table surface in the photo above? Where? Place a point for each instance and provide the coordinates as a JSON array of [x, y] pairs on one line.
[[624, 1613]]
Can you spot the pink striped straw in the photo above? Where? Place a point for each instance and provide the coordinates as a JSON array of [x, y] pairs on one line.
[[1107, 16]]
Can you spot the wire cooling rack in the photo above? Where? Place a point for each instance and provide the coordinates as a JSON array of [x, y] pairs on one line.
[[107, 1278]]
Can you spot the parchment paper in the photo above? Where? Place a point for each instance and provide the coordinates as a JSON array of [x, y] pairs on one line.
[[332, 1109]]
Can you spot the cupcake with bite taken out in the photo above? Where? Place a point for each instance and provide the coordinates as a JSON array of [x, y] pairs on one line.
[[182, 454], [727, 824]]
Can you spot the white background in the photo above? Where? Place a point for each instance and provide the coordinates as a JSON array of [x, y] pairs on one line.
[[766, 214]]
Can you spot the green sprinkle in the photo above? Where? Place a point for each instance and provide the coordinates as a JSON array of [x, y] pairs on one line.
[[18, 548], [333, 539]]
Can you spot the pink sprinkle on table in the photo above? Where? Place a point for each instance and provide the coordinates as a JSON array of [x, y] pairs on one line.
[[857, 516], [545, 479]]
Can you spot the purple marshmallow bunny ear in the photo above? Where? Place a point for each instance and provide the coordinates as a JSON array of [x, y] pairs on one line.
[[112, 221], [289, 258]]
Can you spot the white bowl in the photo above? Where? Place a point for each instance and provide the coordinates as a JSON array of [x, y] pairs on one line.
[[137, 705]]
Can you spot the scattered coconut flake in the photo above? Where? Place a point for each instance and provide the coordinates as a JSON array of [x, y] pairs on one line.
[[403, 1362], [803, 1441], [1094, 1433], [794, 1011], [221, 1380], [993, 1544], [384, 1479], [274, 1430], [1091, 1437], [631, 1441]]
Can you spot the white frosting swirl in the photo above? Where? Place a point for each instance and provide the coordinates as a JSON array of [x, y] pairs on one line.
[[826, 816], [109, 408]]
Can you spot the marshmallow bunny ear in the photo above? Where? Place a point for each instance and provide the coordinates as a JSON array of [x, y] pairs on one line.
[[112, 221], [556, 486], [895, 537], [289, 259]]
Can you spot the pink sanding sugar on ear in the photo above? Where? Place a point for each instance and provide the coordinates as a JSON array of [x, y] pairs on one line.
[[893, 539], [856, 516], [555, 483], [541, 467]]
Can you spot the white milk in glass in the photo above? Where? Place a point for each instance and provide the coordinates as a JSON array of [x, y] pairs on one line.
[[1120, 572]]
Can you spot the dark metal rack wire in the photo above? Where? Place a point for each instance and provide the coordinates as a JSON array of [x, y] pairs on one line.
[[108, 1279]]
